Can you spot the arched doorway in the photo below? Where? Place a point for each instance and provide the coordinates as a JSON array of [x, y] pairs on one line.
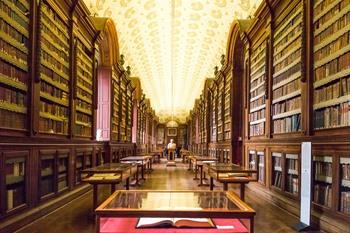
[[108, 59]]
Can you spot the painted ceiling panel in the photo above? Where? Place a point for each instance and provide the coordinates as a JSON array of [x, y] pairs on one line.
[[172, 45]]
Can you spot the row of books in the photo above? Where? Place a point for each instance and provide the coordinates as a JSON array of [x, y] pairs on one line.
[[277, 161], [82, 130], [332, 47], [332, 29], [52, 18], [322, 169], [257, 91], [84, 93], [330, 13], [59, 41], [83, 118], [323, 194], [256, 82], [345, 169], [54, 109], [10, 31], [277, 181], [333, 91], [292, 184], [54, 76], [335, 66], [52, 126], [287, 61], [53, 91], [12, 97], [286, 106], [13, 52], [61, 53], [257, 129], [287, 38], [54, 62], [287, 89], [257, 115], [14, 15], [287, 125], [258, 102], [292, 164], [345, 202], [334, 116], [83, 104], [9, 119], [286, 74], [261, 168], [15, 197], [278, 55], [84, 83], [321, 5]]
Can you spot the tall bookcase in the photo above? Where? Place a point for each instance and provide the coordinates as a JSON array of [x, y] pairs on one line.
[[331, 84], [55, 78], [287, 70], [115, 119], [14, 66]]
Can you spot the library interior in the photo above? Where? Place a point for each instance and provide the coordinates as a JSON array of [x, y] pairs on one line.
[[152, 116]]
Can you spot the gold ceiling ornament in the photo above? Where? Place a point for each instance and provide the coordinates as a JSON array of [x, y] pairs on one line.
[[172, 39]]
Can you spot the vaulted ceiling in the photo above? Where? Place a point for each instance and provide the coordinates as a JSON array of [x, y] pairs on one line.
[[172, 45]]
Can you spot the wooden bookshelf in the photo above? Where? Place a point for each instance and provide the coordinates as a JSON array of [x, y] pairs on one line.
[[115, 105], [14, 80], [287, 71], [227, 107], [257, 92], [323, 180], [331, 64], [54, 73], [344, 184]]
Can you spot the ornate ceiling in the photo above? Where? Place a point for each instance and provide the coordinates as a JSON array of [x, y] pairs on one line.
[[172, 45]]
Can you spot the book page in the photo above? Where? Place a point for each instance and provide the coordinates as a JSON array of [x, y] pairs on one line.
[[154, 222]]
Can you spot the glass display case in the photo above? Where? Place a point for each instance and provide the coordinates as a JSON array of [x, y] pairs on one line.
[[121, 212]]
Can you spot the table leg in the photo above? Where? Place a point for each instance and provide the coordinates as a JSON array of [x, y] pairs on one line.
[[201, 179], [196, 172], [127, 183], [242, 191], [143, 171], [225, 186], [112, 188], [190, 165], [150, 165], [211, 183], [94, 197]]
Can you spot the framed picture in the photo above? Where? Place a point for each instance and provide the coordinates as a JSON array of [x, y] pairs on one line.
[[172, 131]]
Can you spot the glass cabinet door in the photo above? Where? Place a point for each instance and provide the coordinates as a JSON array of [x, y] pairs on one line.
[[277, 170], [62, 171], [15, 171], [292, 174], [323, 180], [344, 191], [47, 178]]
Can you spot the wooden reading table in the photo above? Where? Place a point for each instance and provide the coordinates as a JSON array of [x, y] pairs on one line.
[[121, 211], [230, 173], [142, 161], [108, 173], [198, 161]]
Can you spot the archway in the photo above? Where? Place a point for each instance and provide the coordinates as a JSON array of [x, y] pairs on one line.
[[108, 59]]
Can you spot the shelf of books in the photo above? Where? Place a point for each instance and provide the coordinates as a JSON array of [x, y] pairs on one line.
[[257, 95], [47, 174], [261, 166], [129, 113], [14, 34], [62, 170], [54, 72], [287, 59], [292, 173], [220, 120], [15, 180], [331, 24], [344, 191], [252, 161], [84, 88], [123, 109], [322, 180], [115, 105], [213, 112], [276, 170], [227, 107], [79, 166]]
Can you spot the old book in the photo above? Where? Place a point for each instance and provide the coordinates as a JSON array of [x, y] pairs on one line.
[[175, 222]]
